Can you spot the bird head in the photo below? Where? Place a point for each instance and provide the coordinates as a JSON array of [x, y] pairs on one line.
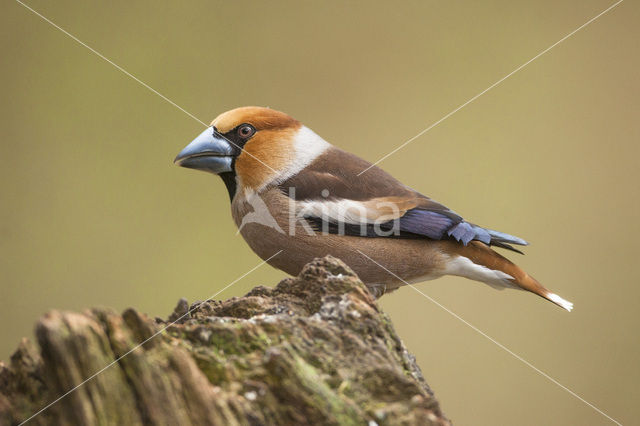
[[252, 147]]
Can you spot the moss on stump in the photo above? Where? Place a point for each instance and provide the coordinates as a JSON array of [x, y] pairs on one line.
[[315, 349]]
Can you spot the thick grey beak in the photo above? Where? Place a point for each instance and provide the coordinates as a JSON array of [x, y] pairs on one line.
[[208, 152]]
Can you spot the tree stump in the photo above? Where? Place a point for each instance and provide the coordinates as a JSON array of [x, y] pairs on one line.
[[315, 349]]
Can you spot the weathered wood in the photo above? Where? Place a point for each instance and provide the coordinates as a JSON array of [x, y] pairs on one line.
[[315, 349]]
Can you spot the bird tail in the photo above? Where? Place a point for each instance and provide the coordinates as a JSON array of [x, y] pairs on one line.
[[498, 271]]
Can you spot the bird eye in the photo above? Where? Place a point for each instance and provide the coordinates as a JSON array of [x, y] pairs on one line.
[[245, 131]]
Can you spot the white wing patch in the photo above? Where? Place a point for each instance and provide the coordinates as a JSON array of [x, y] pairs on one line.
[[349, 211], [464, 267], [374, 211]]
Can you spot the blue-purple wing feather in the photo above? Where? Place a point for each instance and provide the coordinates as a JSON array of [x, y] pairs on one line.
[[441, 224], [425, 222]]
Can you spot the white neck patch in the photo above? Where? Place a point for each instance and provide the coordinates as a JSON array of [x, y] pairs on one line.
[[308, 146]]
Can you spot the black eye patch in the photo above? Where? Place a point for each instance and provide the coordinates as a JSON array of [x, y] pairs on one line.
[[232, 137]]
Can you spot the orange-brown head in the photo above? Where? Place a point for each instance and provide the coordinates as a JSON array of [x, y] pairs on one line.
[[251, 147]]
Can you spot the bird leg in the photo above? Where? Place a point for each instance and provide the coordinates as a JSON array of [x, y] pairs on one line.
[[377, 290]]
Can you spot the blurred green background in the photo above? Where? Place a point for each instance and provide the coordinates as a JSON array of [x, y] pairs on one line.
[[94, 213]]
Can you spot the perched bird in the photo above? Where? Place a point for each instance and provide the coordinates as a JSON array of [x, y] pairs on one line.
[[291, 191]]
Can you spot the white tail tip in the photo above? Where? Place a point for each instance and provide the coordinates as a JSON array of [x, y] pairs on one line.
[[565, 304]]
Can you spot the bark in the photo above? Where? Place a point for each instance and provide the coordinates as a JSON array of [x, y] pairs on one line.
[[315, 349]]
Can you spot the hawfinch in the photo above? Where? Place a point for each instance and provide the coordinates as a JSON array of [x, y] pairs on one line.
[[295, 195]]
